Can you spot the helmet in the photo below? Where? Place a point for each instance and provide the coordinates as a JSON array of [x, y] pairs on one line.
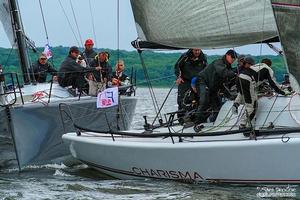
[[89, 42]]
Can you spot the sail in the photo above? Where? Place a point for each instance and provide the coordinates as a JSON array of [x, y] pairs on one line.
[[287, 15], [204, 23], [5, 18]]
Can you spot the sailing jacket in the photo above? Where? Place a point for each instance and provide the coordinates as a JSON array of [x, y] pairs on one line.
[[261, 73], [88, 56], [68, 67], [120, 76], [187, 68], [40, 71], [216, 74], [106, 71]]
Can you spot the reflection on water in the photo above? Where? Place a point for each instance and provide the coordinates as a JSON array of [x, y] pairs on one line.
[[80, 182]]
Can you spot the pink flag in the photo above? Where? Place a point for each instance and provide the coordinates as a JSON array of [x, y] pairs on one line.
[[47, 51]]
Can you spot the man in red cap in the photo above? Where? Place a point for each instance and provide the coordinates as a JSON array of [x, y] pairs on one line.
[[88, 54]]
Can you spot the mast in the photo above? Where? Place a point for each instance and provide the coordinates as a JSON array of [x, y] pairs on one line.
[[18, 29]]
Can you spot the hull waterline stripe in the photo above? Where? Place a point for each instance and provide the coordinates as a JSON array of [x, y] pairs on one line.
[[124, 172], [253, 180], [286, 5]]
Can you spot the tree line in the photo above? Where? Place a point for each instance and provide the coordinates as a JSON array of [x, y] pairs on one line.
[[159, 65]]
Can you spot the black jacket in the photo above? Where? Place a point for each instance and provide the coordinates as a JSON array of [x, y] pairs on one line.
[[106, 71], [216, 74], [121, 78], [187, 68], [40, 71], [69, 66], [88, 56]]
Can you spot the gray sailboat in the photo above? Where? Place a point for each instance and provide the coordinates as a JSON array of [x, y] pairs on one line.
[[30, 128]]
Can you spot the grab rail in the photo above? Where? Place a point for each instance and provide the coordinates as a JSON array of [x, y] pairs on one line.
[[6, 89]]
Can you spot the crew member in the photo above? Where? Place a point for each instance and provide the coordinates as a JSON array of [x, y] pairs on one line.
[[248, 80], [188, 66]]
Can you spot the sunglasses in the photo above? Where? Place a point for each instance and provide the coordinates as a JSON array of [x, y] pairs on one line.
[[43, 58]]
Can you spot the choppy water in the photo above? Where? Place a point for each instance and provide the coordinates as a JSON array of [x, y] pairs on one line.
[[80, 182]]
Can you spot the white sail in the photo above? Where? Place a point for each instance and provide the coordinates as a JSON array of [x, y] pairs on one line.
[[204, 23], [5, 18]]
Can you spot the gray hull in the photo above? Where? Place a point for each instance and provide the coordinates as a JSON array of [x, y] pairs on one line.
[[37, 129]]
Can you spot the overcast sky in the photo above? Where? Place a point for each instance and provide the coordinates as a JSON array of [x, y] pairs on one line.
[[105, 18]]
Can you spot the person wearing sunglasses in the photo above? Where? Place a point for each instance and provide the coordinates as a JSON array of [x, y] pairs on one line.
[[41, 68]]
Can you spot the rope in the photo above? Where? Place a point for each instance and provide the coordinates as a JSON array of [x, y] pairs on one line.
[[293, 117], [270, 110], [38, 97], [70, 25]]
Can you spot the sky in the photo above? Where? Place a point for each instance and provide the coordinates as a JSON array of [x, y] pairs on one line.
[[105, 22]]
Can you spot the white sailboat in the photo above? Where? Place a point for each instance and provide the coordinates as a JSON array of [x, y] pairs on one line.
[[30, 117], [220, 152]]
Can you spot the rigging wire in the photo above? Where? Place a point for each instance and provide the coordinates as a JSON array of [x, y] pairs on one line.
[[76, 23], [228, 23], [46, 31], [118, 30], [152, 94], [70, 25], [262, 28], [44, 22], [164, 102], [93, 23], [227, 17]]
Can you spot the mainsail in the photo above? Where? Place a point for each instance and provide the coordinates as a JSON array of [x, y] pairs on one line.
[[204, 23], [5, 18], [287, 15]]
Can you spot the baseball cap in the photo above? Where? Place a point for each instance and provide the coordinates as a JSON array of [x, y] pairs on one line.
[[249, 60], [89, 42], [74, 49], [232, 53]]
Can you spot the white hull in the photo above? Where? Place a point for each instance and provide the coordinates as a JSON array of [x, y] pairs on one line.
[[236, 160], [230, 158]]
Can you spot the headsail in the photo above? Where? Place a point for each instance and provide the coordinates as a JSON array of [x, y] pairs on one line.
[[287, 15], [5, 18], [206, 23]]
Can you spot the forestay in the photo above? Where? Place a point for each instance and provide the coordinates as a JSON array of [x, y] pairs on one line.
[[204, 23], [5, 18]]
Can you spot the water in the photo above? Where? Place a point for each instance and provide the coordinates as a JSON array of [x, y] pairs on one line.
[[57, 181]]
